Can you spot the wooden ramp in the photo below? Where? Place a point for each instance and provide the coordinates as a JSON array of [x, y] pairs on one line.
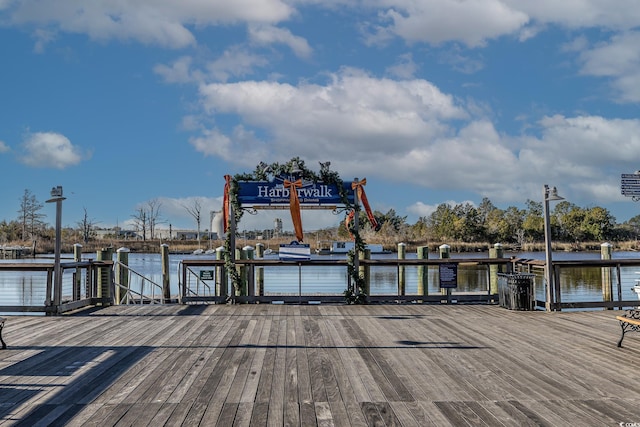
[[257, 365]]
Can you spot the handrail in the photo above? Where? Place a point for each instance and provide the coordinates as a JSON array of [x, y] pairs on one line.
[[144, 279]]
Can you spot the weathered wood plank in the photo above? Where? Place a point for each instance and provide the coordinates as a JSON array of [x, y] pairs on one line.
[[266, 375], [302, 360], [276, 401], [404, 364]]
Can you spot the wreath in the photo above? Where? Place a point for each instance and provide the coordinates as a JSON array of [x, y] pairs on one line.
[[263, 172]]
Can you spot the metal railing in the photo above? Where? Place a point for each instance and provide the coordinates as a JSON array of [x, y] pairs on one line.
[[29, 287], [265, 280], [132, 287], [610, 274]]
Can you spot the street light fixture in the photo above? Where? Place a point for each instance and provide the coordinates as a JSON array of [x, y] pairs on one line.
[[549, 195], [56, 196]]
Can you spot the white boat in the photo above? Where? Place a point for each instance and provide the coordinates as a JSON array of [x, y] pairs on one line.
[[198, 252], [344, 247]]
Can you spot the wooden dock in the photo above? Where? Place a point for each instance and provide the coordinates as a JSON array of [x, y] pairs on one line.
[[325, 365]]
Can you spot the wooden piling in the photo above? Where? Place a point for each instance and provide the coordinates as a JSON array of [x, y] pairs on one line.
[[260, 270], [445, 253], [402, 254], [248, 252], [495, 252], [423, 271], [166, 275], [122, 276], [222, 282], [103, 289], [364, 271], [606, 250], [77, 276]]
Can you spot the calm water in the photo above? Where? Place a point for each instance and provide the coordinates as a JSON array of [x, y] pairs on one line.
[[577, 284]]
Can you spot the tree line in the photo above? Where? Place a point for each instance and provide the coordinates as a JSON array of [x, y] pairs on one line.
[[468, 223], [462, 222]]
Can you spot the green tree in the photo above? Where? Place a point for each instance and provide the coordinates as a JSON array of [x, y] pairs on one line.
[[468, 223], [533, 223], [598, 224], [512, 224], [442, 222], [567, 222]]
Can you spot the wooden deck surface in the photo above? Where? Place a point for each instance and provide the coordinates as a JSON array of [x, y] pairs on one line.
[[325, 365]]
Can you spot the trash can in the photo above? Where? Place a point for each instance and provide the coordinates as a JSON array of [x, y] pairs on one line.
[[515, 291]]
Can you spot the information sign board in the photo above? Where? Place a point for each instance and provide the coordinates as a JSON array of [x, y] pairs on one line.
[[206, 274], [275, 193], [295, 252], [448, 275], [630, 184]]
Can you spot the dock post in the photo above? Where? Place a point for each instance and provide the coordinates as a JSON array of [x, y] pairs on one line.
[[260, 270], [104, 275], [495, 252], [77, 276], [122, 276], [606, 250], [402, 254], [423, 271], [365, 271], [248, 252], [445, 253], [221, 274], [166, 276]]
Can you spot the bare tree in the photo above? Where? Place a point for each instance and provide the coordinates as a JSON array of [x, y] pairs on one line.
[[153, 215], [196, 212], [141, 222], [86, 226], [30, 216]]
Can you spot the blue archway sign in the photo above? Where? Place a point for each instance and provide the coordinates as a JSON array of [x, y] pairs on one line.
[[266, 194]]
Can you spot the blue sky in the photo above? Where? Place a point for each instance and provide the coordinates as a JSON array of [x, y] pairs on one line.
[[433, 101]]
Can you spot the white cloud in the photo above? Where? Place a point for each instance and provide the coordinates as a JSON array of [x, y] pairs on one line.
[[178, 72], [173, 24], [354, 112], [4, 148], [235, 62], [461, 62], [147, 21], [618, 15], [472, 22], [420, 209], [409, 131], [242, 147], [49, 150], [268, 34], [43, 38], [405, 68], [619, 60]]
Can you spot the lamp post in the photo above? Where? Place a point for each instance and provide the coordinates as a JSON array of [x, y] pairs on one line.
[[56, 196], [549, 195]]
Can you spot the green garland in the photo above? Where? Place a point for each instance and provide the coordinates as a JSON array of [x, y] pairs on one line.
[[263, 172]]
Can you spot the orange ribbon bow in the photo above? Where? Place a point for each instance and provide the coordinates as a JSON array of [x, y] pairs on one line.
[[294, 206], [358, 186]]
